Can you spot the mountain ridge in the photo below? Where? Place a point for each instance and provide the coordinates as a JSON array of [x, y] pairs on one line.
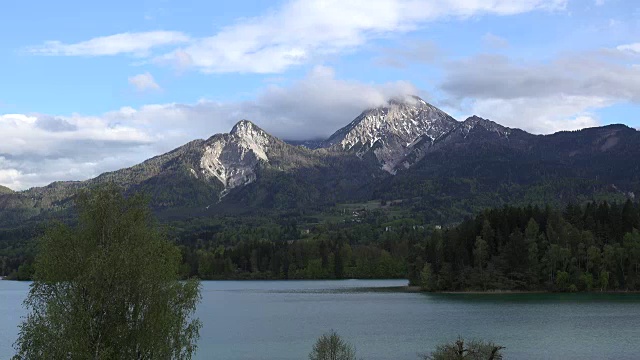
[[395, 151]]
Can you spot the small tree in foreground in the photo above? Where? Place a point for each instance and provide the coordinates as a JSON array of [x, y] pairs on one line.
[[108, 288], [474, 350], [330, 346]]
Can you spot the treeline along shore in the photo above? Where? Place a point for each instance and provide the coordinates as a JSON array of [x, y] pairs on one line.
[[589, 247]]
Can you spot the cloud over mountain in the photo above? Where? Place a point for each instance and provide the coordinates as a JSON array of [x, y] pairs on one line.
[[36, 149], [542, 97]]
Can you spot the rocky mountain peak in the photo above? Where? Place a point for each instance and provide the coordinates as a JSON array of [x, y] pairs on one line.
[[232, 158], [406, 118], [246, 128], [393, 129]]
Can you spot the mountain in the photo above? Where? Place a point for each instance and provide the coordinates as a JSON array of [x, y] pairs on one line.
[[407, 149], [394, 131], [492, 166], [197, 174], [5, 190]]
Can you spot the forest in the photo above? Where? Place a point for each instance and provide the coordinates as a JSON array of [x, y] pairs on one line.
[[288, 250], [595, 247], [590, 247]]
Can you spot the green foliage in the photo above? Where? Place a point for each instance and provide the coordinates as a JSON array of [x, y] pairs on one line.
[[331, 346], [590, 247], [261, 248], [25, 272], [586, 281], [427, 278], [458, 350], [108, 289], [604, 280], [507, 248], [562, 281], [480, 253]]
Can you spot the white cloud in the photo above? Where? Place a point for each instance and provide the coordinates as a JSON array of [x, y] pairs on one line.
[[303, 29], [9, 177], [138, 44], [542, 97], [584, 74], [144, 82], [319, 104], [294, 33], [632, 48], [36, 149], [543, 115]]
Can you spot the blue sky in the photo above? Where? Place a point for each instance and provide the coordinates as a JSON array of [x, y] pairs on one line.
[[91, 87]]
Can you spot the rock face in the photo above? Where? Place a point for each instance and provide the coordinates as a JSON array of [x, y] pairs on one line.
[[392, 132], [232, 158]]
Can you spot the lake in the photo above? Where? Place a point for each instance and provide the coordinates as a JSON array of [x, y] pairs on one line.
[[282, 319]]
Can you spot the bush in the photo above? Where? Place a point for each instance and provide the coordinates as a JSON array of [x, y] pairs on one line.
[[475, 350], [330, 346]]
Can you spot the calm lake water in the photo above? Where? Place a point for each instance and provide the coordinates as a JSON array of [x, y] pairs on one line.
[[281, 320]]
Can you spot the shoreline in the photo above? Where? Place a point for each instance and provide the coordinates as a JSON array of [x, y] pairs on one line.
[[416, 289], [261, 279]]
